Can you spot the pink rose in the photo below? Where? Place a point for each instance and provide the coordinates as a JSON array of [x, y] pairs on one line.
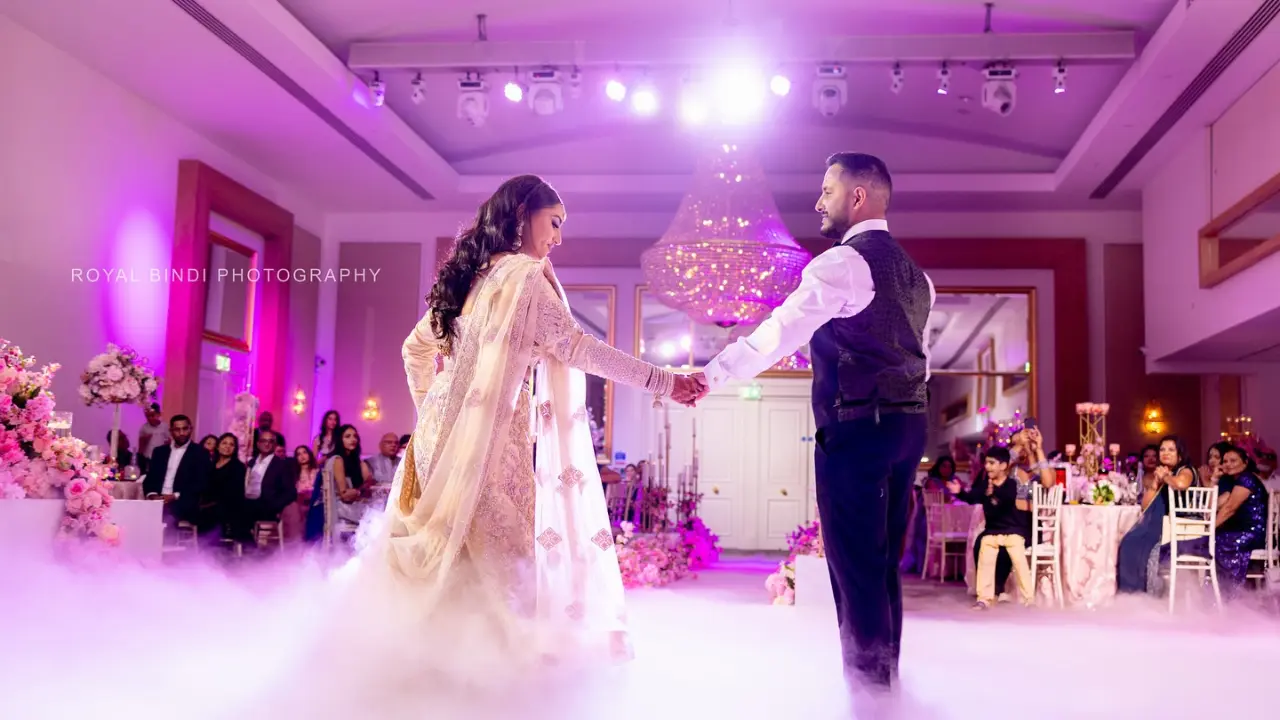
[[76, 488], [790, 596], [75, 505], [109, 533], [92, 499]]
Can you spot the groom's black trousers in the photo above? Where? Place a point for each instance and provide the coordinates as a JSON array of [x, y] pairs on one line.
[[865, 471]]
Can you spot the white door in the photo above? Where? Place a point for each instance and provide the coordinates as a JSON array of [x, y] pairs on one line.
[[784, 469], [724, 468]]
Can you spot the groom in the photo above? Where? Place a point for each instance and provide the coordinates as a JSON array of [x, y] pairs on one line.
[[862, 307]]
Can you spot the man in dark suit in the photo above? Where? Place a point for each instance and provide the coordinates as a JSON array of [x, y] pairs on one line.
[[178, 473], [270, 486], [862, 307]]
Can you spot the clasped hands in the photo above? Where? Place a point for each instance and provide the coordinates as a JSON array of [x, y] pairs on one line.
[[689, 389]]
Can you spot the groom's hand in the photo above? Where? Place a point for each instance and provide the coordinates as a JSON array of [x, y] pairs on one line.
[[688, 390]]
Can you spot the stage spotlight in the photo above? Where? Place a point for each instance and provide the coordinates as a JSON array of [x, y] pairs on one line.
[[575, 84], [898, 79], [944, 79], [830, 90], [545, 92], [473, 101], [693, 103], [644, 101], [738, 96], [999, 90], [513, 92], [1060, 78], [378, 90], [615, 90], [780, 85], [419, 90]]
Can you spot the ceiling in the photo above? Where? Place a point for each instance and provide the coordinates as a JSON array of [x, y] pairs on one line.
[[269, 81]]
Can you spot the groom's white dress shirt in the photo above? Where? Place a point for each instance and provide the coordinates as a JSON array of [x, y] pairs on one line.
[[836, 284]]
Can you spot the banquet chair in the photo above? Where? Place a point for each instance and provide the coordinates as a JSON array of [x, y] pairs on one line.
[[941, 539], [1193, 513], [620, 498], [185, 536], [266, 532], [1046, 538], [1269, 558]]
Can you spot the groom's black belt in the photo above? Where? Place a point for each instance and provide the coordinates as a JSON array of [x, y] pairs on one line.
[[846, 411]]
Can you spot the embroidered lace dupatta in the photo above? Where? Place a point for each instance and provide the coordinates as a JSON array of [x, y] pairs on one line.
[[434, 499]]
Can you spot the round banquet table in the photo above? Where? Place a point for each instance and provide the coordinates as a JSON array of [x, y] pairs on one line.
[[1090, 542]]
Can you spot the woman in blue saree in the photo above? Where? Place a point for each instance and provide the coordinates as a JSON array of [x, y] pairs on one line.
[[1139, 549]]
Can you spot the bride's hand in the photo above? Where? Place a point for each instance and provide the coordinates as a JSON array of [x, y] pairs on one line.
[[688, 389]]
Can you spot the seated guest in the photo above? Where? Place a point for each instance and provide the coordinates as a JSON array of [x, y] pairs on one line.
[[326, 440], [1026, 453], [1139, 548], [179, 473], [1265, 458], [226, 488], [383, 465], [353, 481], [404, 443], [294, 518], [1211, 470], [268, 487], [210, 443], [122, 457], [940, 474], [1006, 508], [266, 422], [1242, 521]]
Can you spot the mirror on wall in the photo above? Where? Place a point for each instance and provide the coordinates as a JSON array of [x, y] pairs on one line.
[[594, 306], [229, 293], [670, 338], [982, 346], [1243, 235]]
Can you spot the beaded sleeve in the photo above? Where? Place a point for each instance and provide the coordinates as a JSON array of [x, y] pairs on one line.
[[419, 352], [558, 335]]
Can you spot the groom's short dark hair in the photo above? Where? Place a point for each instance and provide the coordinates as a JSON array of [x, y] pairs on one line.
[[864, 168]]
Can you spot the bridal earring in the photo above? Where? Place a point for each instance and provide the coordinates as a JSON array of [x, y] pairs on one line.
[[519, 234]]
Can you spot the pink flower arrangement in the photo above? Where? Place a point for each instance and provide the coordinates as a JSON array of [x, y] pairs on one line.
[[804, 540], [1093, 408], [658, 559], [116, 377], [34, 463]]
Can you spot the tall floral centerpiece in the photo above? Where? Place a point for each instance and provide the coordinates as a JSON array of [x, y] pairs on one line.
[[117, 377], [243, 417], [36, 463]]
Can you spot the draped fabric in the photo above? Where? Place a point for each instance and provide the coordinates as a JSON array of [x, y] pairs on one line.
[[481, 552]]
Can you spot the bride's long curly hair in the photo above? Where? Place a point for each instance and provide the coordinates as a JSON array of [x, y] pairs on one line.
[[493, 231]]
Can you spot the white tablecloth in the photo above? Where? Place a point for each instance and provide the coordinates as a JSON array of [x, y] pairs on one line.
[[29, 527]]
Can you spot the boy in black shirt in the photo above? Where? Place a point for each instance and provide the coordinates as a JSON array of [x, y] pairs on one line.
[[1006, 507]]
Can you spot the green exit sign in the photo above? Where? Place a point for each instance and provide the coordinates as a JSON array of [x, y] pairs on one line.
[[222, 363], [751, 392]]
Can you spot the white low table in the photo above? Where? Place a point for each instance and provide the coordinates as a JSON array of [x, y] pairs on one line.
[[813, 584], [30, 526]]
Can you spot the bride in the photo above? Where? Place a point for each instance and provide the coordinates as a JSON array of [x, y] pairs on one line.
[[496, 536]]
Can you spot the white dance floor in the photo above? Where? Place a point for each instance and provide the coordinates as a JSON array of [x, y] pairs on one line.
[[711, 648]]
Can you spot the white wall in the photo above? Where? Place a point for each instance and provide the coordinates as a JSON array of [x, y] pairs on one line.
[[89, 172]]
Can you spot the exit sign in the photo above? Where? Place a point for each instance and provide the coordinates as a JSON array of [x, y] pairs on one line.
[[222, 363]]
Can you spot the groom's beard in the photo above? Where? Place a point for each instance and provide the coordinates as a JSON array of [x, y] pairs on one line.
[[832, 229]]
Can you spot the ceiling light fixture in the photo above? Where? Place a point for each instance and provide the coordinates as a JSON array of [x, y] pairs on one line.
[[1060, 78], [830, 90], [944, 79], [378, 90], [419, 90], [898, 79], [473, 100], [545, 92]]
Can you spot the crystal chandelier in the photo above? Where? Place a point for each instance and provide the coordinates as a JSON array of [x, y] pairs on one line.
[[726, 259]]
